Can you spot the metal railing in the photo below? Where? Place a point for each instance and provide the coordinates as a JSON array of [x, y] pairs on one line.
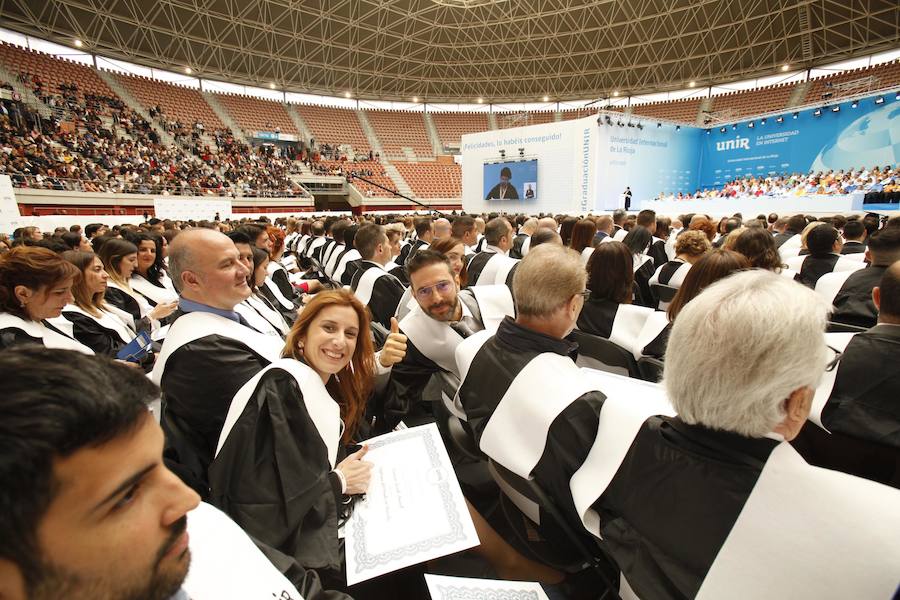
[[96, 186]]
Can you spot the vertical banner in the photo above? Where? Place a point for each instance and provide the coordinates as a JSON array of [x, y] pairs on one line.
[[10, 219]]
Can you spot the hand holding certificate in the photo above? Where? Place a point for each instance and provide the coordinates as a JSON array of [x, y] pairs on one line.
[[414, 510]]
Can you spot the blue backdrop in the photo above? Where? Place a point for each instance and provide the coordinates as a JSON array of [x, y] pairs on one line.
[[524, 176], [864, 136]]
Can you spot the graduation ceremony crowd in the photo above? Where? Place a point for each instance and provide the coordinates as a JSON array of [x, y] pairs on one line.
[[636, 405]]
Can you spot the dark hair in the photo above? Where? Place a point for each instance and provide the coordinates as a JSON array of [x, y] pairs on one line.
[[611, 273], [252, 231], [506, 172], [34, 267], [854, 230], [820, 240], [566, 228], [796, 224], [889, 289], [259, 257], [367, 238], [350, 235], [317, 229], [425, 258], [715, 265], [583, 234], [83, 401], [461, 225], [543, 236], [72, 239], [338, 229], [111, 254], [239, 237], [638, 239], [884, 245], [84, 299], [446, 245], [423, 226], [758, 246], [495, 229], [91, 228], [646, 217]]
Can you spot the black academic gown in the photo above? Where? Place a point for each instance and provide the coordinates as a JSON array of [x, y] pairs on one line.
[[814, 267], [273, 478], [198, 383], [408, 250], [385, 294], [123, 301], [516, 250], [852, 247], [509, 194], [350, 270], [644, 296], [781, 238], [280, 278], [657, 251], [12, 336], [102, 340], [853, 303], [597, 317], [664, 531]]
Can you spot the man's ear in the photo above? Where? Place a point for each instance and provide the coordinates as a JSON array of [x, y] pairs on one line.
[[12, 584], [876, 297], [189, 279]]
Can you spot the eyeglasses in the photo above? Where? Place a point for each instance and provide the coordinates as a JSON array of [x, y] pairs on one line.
[[834, 361], [442, 287], [585, 294]]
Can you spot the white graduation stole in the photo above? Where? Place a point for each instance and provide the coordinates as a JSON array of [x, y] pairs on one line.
[[257, 320], [332, 258], [627, 325], [496, 270], [654, 325], [838, 341], [366, 282], [342, 264], [323, 410], [316, 243], [227, 565], [196, 325], [36, 329], [146, 289], [111, 318]]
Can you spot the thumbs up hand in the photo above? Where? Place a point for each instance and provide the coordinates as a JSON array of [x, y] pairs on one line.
[[394, 348]]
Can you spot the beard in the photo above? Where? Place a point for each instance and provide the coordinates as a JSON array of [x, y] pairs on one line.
[[447, 316], [54, 582]]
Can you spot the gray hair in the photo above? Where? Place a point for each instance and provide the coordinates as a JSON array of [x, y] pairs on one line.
[[182, 252], [739, 349], [546, 279]]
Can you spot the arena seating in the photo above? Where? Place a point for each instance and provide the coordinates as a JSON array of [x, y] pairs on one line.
[[54, 71], [452, 126], [397, 130], [373, 170], [682, 111], [520, 119], [753, 102], [883, 76], [432, 180], [254, 114], [178, 103], [334, 126]]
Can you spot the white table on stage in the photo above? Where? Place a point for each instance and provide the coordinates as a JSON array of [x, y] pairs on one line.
[[750, 207]]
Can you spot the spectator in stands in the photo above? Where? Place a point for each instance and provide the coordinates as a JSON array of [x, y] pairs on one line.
[[713, 266], [35, 285], [854, 237]]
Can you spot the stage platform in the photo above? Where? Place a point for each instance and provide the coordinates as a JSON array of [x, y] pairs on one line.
[[750, 207]]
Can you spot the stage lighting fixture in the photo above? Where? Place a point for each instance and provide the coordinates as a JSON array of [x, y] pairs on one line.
[[78, 43], [272, 86], [734, 127], [678, 128], [854, 104], [750, 125], [707, 132], [630, 124], [415, 98], [897, 97], [187, 71], [817, 112], [521, 152], [658, 125], [722, 130], [347, 95], [879, 100], [836, 108], [620, 123], [779, 120], [639, 126], [503, 154], [762, 121], [608, 121], [795, 115]]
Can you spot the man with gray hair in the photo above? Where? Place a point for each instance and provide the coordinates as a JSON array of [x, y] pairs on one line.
[[492, 266], [209, 352], [715, 502], [521, 388]]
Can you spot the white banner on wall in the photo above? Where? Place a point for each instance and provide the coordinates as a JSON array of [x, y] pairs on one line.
[[10, 219], [187, 208]]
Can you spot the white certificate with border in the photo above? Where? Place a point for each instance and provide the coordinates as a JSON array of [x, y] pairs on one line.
[[414, 510], [464, 588]]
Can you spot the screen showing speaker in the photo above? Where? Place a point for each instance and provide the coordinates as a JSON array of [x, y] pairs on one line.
[[511, 180]]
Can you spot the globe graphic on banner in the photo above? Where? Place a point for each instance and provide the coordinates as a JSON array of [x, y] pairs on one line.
[[872, 139]]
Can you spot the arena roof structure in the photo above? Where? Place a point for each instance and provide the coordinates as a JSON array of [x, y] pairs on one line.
[[463, 50]]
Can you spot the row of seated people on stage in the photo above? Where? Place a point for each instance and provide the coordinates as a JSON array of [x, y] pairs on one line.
[[129, 157], [878, 179], [701, 486]]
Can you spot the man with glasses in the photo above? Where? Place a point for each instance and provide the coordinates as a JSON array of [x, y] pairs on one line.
[[442, 318], [521, 387]]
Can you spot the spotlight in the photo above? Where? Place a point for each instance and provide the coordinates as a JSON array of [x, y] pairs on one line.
[[779, 120], [272, 86], [503, 154], [658, 125], [692, 84], [620, 124], [722, 130], [784, 68], [639, 126], [615, 94], [734, 127], [854, 104], [188, 71], [521, 152], [762, 121], [415, 98], [879, 100], [480, 101], [817, 112], [795, 115], [750, 125], [678, 128], [78, 43], [707, 132], [546, 98], [836, 108], [347, 95]]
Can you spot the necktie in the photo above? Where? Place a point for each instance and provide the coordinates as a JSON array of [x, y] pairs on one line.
[[466, 326]]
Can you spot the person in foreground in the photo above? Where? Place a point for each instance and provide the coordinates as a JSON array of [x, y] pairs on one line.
[[88, 510], [752, 519]]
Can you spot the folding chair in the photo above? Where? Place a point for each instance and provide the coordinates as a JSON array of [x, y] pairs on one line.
[[572, 551], [599, 353], [663, 294], [651, 368]]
